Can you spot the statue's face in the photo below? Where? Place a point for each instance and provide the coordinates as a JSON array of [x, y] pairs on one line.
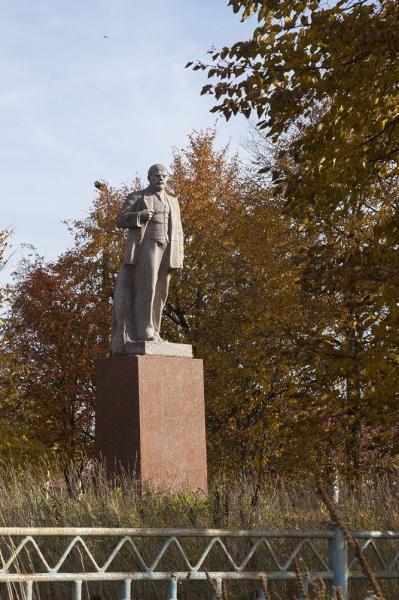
[[158, 179]]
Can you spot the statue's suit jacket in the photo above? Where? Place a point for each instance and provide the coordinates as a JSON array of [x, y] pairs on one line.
[[129, 217]]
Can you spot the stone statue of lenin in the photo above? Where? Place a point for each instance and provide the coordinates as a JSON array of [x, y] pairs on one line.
[[154, 248]]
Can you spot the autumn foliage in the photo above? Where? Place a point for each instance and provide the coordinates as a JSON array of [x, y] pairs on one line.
[[296, 326], [290, 286]]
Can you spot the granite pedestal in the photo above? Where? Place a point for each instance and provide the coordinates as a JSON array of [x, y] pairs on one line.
[[150, 420]]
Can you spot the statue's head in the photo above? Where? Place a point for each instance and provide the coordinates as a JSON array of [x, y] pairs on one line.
[[158, 177]]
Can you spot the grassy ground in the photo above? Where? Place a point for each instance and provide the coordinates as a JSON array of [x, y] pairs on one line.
[[36, 497]]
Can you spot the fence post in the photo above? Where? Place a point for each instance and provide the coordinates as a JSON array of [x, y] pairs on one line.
[[306, 586], [172, 588], [77, 590], [260, 594], [338, 561], [126, 589], [28, 589], [219, 589]]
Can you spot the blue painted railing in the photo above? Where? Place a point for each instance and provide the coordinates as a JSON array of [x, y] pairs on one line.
[[273, 552]]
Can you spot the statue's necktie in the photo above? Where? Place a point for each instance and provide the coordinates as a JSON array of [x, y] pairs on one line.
[[161, 198]]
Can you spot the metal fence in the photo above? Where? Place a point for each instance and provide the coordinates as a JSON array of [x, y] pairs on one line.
[[246, 555]]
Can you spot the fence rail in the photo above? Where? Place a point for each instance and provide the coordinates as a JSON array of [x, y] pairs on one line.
[[246, 554]]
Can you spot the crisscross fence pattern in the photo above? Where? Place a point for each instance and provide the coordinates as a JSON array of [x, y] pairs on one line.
[[30, 556]]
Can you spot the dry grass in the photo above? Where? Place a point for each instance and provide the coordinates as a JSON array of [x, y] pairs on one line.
[[37, 497]]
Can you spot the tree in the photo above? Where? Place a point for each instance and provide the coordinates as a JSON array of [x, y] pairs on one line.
[[274, 309], [328, 77], [238, 301], [4, 246], [60, 311], [323, 80], [16, 441], [349, 264], [351, 349]]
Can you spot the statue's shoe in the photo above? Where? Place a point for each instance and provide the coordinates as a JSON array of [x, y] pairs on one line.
[[153, 338], [157, 338]]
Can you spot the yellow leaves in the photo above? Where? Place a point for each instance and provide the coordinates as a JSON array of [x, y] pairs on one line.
[[337, 119], [267, 299], [289, 22], [342, 61]]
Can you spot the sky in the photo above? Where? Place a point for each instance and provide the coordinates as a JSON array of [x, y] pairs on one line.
[[96, 89]]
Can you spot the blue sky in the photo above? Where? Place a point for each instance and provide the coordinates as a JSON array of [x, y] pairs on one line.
[[76, 106]]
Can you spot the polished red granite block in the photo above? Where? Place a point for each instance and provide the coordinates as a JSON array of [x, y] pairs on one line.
[[150, 420]]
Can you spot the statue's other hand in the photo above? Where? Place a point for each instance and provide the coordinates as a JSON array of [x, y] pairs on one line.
[[145, 215]]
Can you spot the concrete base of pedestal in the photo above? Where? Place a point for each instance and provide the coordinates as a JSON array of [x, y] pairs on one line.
[[150, 420]]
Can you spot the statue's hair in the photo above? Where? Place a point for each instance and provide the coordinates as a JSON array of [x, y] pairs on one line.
[[157, 167]]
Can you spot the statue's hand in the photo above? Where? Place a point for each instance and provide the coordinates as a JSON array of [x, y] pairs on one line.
[[145, 215]]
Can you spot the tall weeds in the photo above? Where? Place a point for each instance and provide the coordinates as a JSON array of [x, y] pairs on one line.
[[40, 497]]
